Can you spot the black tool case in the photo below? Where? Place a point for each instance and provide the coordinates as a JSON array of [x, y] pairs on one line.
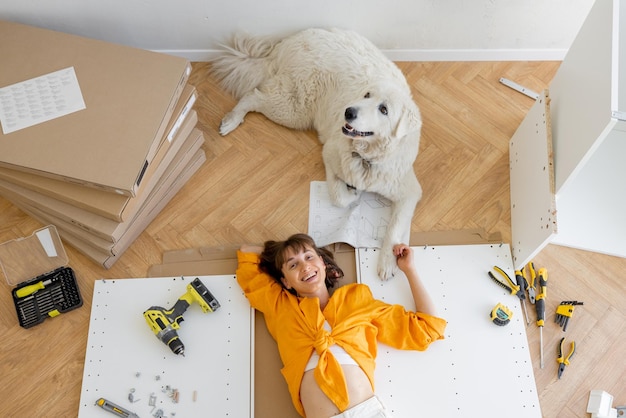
[[45, 286]]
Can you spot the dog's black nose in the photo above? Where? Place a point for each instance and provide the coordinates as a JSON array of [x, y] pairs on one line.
[[350, 114]]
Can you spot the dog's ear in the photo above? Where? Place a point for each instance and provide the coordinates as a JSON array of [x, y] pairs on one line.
[[410, 121]]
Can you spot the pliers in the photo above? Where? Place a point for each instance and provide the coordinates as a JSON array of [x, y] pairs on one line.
[[564, 360], [508, 284]]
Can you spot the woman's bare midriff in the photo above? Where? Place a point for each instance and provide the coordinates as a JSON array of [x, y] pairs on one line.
[[316, 403]]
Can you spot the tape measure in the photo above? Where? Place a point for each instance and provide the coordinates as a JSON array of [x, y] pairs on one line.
[[501, 315]]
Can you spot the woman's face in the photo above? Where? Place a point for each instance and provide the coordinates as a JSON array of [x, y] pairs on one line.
[[305, 272]]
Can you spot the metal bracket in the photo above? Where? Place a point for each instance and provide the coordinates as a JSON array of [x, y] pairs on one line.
[[521, 89]]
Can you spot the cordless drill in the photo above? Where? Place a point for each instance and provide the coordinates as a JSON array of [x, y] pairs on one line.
[[164, 322]]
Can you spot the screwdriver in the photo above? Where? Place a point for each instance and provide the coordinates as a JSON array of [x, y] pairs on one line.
[[30, 289], [540, 306], [521, 282]]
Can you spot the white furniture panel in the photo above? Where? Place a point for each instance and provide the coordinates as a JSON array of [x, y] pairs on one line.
[[592, 209], [214, 378], [479, 369], [588, 114], [533, 213], [581, 93]]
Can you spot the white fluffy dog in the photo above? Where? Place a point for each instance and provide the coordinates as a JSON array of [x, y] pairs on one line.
[[358, 101]]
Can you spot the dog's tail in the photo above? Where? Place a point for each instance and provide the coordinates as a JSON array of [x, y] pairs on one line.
[[241, 66]]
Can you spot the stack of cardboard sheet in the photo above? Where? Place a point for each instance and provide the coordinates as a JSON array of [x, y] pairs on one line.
[[96, 137]]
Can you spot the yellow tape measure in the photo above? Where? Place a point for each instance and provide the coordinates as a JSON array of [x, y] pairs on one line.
[[501, 315]]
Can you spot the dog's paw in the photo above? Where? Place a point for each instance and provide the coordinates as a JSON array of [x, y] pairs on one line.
[[230, 122], [387, 267], [343, 196]]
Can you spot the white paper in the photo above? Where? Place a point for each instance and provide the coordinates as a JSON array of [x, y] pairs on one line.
[[40, 99], [45, 238], [362, 225]]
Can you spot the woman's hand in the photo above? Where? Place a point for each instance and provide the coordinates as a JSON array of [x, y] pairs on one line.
[[404, 257]]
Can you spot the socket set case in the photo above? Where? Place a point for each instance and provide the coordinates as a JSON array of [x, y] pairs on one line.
[[45, 286]]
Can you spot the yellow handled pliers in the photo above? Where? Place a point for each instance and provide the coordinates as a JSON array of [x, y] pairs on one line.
[[564, 360]]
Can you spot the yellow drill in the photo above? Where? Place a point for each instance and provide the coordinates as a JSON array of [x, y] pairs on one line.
[[165, 322]]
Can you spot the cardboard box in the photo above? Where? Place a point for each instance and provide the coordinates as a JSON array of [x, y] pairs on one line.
[[97, 225], [271, 393], [147, 216], [110, 205], [129, 94], [178, 174], [122, 230]]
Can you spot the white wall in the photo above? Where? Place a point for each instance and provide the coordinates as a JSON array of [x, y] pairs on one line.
[[414, 30]]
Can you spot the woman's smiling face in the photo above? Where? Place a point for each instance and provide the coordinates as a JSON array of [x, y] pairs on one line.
[[304, 271]]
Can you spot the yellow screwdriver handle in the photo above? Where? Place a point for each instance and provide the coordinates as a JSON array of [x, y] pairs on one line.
[[29, 290]]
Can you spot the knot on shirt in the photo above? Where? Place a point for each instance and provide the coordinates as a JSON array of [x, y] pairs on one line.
[[323, 341]]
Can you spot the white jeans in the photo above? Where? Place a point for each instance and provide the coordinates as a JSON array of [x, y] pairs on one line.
[[371, 408]]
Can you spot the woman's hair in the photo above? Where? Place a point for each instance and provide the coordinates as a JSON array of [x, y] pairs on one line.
[[274, 253]]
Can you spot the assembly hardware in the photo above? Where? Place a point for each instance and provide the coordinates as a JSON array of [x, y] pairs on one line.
[[517, 87]]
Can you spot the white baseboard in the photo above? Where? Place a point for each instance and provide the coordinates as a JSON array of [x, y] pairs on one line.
[[433, 55], [420, 55]]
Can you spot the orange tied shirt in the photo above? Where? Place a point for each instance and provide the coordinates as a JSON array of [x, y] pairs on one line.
[[357, 322]]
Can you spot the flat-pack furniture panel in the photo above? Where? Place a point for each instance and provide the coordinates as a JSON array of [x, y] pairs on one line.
[[581, 93], [533, 207], [128, 365], [480, 368]]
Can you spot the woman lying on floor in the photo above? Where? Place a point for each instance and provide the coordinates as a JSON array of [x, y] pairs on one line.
[[328, 342]]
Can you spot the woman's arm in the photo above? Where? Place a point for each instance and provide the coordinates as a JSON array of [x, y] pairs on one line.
[[247, 248], [260, 289], [404, 258]]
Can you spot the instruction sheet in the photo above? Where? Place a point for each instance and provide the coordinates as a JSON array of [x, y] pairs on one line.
[[362, 224], [39, 100]]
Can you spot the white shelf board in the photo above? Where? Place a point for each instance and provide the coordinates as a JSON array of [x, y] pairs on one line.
[[592, 209], [123, 354], [455, 377], [533, 212]]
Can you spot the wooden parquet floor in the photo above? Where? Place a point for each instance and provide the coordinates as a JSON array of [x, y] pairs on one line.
[[255, 186]]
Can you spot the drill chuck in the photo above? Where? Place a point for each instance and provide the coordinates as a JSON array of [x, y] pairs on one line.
[[169, 336]]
